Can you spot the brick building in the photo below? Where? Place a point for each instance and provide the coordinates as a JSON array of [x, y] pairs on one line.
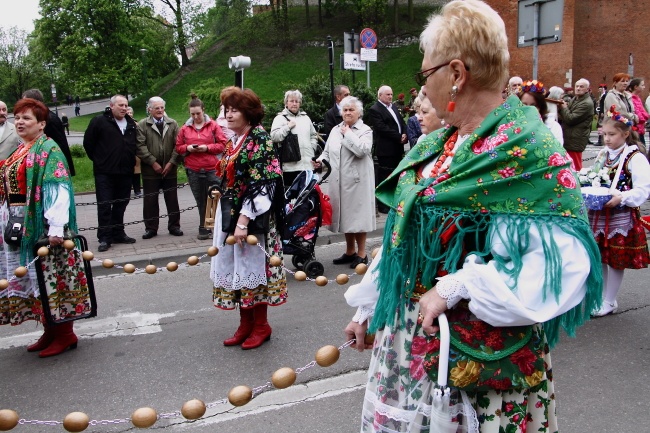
[[597, 39]]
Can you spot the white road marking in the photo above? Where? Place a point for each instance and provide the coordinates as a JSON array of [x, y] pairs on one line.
[[122, 325]]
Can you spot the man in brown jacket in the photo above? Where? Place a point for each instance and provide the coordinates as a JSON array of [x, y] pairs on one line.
[[576, 117], [157, 151]]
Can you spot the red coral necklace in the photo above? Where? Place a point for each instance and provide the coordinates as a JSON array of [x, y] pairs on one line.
[[439, 168]]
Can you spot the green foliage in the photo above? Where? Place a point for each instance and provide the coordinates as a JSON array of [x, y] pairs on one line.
[[371, 12], [209, 91]]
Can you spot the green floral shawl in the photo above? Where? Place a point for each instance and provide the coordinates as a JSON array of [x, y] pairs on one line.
[[511, 167], [45, 166]]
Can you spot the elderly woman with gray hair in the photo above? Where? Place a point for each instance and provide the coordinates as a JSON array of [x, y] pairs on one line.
[[352, 181], [292, 120], [477, 230]]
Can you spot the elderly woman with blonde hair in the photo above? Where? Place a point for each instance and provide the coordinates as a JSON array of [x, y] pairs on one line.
[[477, 231]]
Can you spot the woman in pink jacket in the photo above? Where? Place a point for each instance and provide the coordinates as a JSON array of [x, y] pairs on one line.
[[636, 87], [201, 141]]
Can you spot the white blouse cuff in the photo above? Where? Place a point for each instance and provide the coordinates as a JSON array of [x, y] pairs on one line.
[[452, 290], [363, 314], [55, 231]]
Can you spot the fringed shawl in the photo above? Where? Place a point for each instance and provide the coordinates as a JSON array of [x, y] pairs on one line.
[[512, 170]]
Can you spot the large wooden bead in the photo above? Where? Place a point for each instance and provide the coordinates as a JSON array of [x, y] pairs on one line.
[[20, 271], [275, 261], [192, 260], [327, 355], [43, 251], [321, 280], [87, 255], [150, 269], [108, 263], [129, 268], [230, 240], [193, 409], [68, 244], [369, 339], [8, 419], [144, 417], [240, 395], [361, 268], [342, 279], [251, 240], [213, 251], [76, 422], [172, 266], [283, 378], [4, 284], [300, 276], [374, 253]]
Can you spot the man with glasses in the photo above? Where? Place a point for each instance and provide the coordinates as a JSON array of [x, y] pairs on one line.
[[389, 136]]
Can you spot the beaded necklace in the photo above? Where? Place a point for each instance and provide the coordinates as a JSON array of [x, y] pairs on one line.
[[439, 168]]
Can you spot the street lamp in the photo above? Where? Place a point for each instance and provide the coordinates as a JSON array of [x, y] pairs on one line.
[[144, 70], [50, 66]]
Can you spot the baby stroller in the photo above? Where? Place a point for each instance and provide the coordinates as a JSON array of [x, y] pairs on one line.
[[303, 218]]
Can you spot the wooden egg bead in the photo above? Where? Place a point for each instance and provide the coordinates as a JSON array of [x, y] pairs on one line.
[[213, 251], [374, 253], [20, 271], [251, 240], [172, 266], [300, 276], [192, 260], [321, 280], [230, 240], [342, 279], [283, 378], [361, 268], [4, 284], [68, 244], [369, 339], [240, 395], [150, 269], [108, 263], [43, 251], [87, 255], [8, 419], [129, 268], [275, 261], [327, 355], [193, 409], [144, 417], [76, 422]]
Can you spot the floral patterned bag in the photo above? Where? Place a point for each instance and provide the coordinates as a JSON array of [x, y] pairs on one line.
[[483, 357]]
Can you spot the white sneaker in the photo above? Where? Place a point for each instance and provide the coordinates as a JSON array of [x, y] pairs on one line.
[[605, 309]]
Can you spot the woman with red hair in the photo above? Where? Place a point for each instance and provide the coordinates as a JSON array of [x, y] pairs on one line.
[[38, 201], [619, 100]]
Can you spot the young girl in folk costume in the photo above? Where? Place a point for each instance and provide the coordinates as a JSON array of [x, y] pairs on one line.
[[617, 227]]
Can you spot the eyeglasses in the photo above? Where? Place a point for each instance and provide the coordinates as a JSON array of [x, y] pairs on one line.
[[421, 77]]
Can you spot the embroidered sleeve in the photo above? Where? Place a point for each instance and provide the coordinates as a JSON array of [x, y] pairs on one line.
[[452, 290]]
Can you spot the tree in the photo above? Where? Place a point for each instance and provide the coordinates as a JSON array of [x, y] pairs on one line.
[[18, 69]]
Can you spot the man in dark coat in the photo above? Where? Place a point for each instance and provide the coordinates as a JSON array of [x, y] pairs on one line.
[[110, 142], [576, 117], [53, 128], [389, 136], [333, 115]]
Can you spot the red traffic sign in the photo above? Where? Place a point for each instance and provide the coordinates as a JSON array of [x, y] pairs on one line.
[[368, 38]]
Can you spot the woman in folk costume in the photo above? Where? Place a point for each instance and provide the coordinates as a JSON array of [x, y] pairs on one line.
[[252, 178], [36, 184], [486, 225], [618, 226]]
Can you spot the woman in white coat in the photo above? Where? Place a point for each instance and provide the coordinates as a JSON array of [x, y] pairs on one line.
[[292, 120], [352, 181]]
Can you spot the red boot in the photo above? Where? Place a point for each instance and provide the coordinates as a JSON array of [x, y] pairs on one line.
[[44, 341], [64, 338], [261, 329], [244, 330]]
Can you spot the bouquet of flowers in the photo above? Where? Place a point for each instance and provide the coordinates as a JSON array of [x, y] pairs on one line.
[[591, 177]]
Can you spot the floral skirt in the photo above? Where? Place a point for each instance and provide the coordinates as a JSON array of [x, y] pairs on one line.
[[620, 250], [399, 393]]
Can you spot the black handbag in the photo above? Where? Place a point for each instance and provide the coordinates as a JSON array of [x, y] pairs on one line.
[[229, 217], [13, 234], [290, 147]]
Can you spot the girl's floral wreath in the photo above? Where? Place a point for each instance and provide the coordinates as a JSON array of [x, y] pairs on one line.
[[612, 113], [533, 86]]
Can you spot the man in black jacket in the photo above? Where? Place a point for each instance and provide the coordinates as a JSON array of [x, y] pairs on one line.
[[53, 128], [110, 142], [389, 136], [333, 115]]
